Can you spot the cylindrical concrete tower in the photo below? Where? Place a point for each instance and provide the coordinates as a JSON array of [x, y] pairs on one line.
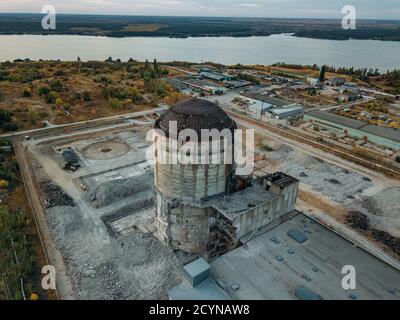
[[183, 191]]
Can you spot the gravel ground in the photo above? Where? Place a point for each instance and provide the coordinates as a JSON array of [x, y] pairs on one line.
[[137, 266], [382, 209], [115, 190], [342, 186]]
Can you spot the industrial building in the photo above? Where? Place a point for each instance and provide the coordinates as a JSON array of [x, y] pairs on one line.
[[290, 112], [237, 84], [336, 82], [207, 209], [215, 76], [205, 86], [390, 138], [256, 244], [275, 108], [298, 259], [122, 228], [348, 96], [275, 102]]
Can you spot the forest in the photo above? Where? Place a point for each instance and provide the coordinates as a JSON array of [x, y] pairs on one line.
[[182, 27]]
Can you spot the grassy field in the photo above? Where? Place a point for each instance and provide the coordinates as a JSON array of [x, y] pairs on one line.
[[63, 92]]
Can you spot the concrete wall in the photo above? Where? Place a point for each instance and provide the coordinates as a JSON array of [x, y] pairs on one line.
[[183, 227], [262, 215], [189, 183], [181, 190]]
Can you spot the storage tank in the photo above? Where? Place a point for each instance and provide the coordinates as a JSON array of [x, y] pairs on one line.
[[183, 190]]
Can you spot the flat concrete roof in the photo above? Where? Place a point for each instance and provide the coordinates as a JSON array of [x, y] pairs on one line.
[[244, 200], [274, 266]]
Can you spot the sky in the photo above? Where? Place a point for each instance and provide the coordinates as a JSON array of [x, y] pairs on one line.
[[366, 9]]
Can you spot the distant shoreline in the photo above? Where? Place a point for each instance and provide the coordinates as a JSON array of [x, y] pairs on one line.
[[195, 27], [195, 36]]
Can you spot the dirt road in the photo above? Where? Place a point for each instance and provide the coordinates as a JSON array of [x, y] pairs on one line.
[[53, 257]]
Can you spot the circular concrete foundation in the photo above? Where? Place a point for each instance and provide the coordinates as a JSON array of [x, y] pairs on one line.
[[106, 150]]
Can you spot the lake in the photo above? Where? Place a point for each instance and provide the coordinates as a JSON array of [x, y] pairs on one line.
[[383, 55]]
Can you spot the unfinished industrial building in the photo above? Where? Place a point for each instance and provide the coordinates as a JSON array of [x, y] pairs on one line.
[[120, 227], [206, 208]]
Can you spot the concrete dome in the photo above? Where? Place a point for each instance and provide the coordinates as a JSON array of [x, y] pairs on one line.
[[196, 114]]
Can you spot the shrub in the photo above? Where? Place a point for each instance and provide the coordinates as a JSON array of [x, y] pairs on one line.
[[32, 115], [59, 73], [9, 126], [115, 103], [398, 159], [3, 184], [56, 85], [34, 297], [59, 102], [51, 97], [27, 92], [43, 91], [86, 96], [122, 94], [5, 116]]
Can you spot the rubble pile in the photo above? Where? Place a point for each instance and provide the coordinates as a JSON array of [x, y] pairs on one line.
[[340, 185], [54, 196], [388, 239], [358, 220], [115, 190]]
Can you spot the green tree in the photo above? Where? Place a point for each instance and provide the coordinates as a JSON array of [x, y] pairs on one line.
[[322, 74], [155, 66]]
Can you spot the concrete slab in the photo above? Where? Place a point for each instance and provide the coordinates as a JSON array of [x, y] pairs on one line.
[[316, 265]]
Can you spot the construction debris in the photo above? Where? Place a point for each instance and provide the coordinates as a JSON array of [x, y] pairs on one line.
[[358, 220], [54, 196], [388, 239], [115, 190]]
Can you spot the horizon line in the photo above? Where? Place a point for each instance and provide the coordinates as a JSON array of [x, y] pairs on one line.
[[194, 16]]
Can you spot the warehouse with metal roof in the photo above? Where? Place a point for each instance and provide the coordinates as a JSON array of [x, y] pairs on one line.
[[383, 136]]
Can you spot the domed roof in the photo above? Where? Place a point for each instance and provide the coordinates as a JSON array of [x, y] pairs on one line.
[[196, 114]]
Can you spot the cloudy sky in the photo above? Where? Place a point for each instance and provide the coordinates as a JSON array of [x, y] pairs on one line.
[[380, 9]]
